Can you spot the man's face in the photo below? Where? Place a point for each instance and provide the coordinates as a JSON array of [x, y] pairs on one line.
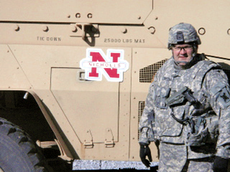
[[182, 53]]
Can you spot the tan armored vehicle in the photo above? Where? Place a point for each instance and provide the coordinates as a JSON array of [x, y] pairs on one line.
[[75, 73]]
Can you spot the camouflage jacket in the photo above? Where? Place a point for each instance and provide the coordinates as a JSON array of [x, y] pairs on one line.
[[209, 86]]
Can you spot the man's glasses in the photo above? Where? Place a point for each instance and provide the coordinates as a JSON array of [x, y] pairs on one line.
[[179, 48]]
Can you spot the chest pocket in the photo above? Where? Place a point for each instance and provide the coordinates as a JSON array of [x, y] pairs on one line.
[[161, 95], [165, 124], [162, 92]]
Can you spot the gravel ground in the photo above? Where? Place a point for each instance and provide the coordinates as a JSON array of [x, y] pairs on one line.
[[103, 165]]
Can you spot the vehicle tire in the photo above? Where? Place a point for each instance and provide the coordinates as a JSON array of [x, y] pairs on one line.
[[18, 153]]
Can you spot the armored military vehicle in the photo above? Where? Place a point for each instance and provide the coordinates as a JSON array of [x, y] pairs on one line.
[[75, 73]]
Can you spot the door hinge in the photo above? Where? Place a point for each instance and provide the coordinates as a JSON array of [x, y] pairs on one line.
[[88, 142], [109, 139]]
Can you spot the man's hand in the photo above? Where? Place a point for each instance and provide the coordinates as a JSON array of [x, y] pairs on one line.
[[220, 164], [145, 152]]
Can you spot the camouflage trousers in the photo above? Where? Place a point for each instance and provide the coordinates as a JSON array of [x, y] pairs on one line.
[[173, 158]]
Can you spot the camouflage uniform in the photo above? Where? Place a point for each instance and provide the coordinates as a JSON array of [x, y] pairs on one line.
[[190, 134]]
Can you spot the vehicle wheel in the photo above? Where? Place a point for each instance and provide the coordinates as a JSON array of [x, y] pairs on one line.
[[18, 153]]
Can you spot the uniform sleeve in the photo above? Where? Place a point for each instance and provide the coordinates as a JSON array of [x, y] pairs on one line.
[[216, 83], [146, 120]]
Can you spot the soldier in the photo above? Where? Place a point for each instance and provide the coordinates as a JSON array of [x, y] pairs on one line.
[[187, 110]]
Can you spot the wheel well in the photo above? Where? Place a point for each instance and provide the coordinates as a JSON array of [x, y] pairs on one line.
[[26, 114]]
